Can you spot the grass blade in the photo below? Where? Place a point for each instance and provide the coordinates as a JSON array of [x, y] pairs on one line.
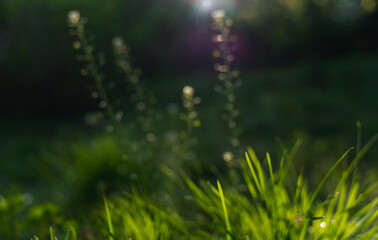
[[73, 233], [257, 164], [252, 171], [298, 190], [313, 198], [360, 154], [51, 233], [228, 227], [270, 169], [67, 237], [108, 218]]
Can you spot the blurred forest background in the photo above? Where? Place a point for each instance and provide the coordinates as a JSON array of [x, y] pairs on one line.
[[309, 69]]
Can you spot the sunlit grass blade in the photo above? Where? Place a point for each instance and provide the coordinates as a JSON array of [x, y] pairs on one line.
[[342, 195], [52, 237], [51, 233], [352, 195], [253, 172], [298, 190], [373, 211], [294, 150], [259, 169], [315, 194], [370, 216], [371, 234], [73, 233], [342, 188], [108, 218], [359, 156], [270, 169], [282, 169], [67, 236], [201, 198], [227, 221], [248, 181], [362, 196]]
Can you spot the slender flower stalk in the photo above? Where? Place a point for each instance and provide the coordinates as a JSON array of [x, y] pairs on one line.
[[77, 24], [189, 102], [143, 99], [224, 53]]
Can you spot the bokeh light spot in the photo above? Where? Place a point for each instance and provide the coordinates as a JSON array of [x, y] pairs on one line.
[[368, 5], [151, 137], [323, 224], [228, 156], [76, 45]]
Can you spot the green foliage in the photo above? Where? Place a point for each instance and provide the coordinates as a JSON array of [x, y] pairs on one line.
[[135, 154], [70, 235], [275, 212], [130, 212], [273, 209], [19, 217], [263, 206]]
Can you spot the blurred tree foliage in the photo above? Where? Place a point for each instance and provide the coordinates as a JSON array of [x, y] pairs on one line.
[[39, 74]]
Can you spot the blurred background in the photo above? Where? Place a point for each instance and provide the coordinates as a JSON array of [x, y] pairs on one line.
[[309, 69]]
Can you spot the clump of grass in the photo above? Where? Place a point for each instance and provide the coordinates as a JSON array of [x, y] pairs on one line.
[[129, 213], [264, 207], [274, 212]]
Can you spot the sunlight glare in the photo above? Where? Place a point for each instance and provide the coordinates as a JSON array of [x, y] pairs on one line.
[[205, 4]]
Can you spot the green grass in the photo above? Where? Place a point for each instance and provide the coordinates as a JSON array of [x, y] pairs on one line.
[[264, 206]]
